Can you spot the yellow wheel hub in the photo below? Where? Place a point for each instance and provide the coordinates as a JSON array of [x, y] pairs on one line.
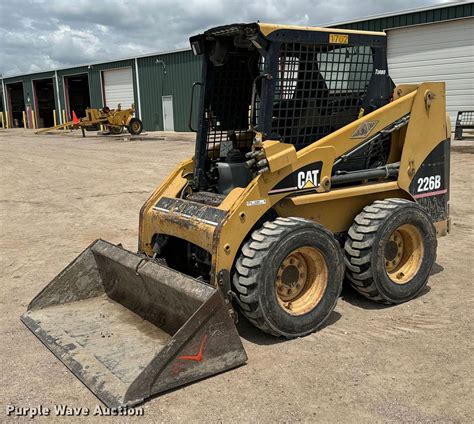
[[301, 280], [135, 126], [403, 254]]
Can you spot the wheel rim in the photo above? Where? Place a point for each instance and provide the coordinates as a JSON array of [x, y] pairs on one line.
[[301, 280], [135, 126], [403, 254]]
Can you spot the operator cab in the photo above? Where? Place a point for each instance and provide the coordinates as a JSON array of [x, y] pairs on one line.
[[292, 84]]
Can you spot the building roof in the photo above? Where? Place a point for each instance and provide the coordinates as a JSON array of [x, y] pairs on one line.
[[396, 13], [64, 68], [423, 15]]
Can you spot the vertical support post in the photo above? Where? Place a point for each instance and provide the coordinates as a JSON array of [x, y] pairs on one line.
[[64, 119], [3, 120], [24, 119], [138, 111], [54, 117], [33, 114], [200, 155], [5, 102], [59, 98]]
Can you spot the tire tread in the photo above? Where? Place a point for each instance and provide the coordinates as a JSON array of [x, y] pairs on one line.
[[246, 276], [360, 243]]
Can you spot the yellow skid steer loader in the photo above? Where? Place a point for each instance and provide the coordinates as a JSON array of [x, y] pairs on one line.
[[310, 167]]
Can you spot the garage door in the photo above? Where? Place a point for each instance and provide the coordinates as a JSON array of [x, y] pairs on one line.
[[436, 52], [118, 88]]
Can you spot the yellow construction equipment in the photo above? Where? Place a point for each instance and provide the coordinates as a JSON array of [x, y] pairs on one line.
[[114, 120], [310, 167]]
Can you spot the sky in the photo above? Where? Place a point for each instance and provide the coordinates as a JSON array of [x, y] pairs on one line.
[[49, 34]]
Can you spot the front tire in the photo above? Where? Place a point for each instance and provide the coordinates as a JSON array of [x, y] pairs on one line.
[[115, 130], [289, 276], [390, 250]]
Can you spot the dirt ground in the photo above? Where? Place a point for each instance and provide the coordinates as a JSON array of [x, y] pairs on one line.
[[406, 363]]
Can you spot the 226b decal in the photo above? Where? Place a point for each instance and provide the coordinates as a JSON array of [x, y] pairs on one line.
[[429, 183]]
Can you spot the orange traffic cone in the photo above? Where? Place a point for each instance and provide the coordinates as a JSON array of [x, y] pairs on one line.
[[75, 119]]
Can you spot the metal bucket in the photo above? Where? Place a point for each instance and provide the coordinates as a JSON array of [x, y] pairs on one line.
[[129, 328]]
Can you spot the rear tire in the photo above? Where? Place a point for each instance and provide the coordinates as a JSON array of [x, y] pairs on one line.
[[289, 276], [390, 250], [135, 126]]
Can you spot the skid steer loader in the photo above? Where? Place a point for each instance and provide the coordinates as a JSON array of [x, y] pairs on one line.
[[310, 167]]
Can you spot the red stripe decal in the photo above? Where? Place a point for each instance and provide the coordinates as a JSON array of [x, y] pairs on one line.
[[198, 356], [432, 193], [282, 190]]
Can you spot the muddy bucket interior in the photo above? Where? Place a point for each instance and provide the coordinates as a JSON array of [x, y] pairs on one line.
[[130, 328]]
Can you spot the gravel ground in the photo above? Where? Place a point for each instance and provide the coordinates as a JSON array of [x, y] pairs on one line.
[[406, 363]]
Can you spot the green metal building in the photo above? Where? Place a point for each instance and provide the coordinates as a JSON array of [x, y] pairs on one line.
[[443, 12], [159, 85], [161, 75]]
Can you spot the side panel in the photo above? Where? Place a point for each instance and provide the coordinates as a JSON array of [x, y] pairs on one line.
[[336, 214], [430, 184], [424, 164], [426, 129]]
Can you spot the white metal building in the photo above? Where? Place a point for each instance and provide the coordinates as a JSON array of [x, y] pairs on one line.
[[441, 51]]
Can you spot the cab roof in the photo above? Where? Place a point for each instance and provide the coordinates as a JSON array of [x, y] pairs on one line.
[[267, 28]]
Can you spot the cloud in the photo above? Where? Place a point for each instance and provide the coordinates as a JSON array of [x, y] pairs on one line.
[[43, 35]]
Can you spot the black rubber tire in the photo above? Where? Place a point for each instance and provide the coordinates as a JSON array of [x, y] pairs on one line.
[[365, 254], [135, 122], [257, 266], [115, 130]]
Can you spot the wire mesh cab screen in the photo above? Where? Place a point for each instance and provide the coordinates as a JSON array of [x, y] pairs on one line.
[[319, 89]]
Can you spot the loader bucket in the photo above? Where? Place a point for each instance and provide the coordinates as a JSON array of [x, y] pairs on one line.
[[129, 328]]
